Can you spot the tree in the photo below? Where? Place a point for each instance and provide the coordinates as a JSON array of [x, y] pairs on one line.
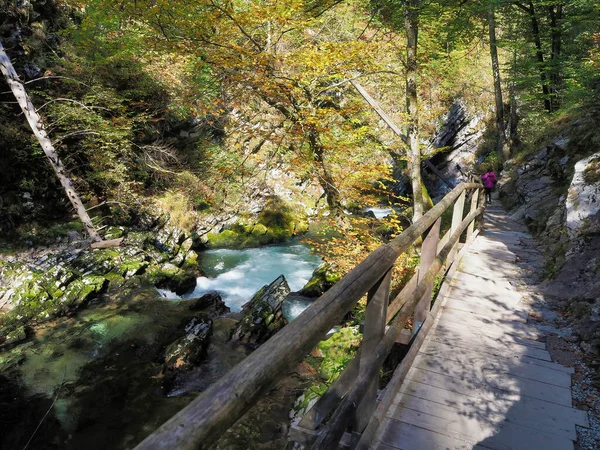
[[37, 126], [502, 146], [280, 64], [411, 24]]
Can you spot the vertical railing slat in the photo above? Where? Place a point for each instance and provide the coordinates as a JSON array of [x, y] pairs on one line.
[[428, 254], [374, 329], [474, 199], [457, 217]]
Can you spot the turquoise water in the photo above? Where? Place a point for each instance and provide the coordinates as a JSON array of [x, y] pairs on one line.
[[238, 274]]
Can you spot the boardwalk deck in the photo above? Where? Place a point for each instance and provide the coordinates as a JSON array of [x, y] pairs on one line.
[[482, 379]]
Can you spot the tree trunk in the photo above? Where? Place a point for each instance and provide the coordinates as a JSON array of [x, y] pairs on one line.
[[556, 45], [37, 126], [535, 29], [329, 188], [411, 23], [502, 146], [513, 122]]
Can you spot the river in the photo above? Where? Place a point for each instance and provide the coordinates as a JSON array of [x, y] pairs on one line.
[[238, 274], [94, 380]]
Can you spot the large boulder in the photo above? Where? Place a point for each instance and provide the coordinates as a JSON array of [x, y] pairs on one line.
[[190, 349], [210, 301], [583, 199], [262, 316]]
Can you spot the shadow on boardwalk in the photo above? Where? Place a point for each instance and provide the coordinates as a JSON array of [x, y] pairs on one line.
[[483, 378]]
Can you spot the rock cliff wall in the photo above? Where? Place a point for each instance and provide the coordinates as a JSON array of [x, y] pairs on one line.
[[556, 193]]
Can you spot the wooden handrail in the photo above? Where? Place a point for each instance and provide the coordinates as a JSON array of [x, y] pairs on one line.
[[205, 419], [336, 426]]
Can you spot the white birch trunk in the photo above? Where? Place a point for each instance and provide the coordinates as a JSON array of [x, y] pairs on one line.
[[35, 122]]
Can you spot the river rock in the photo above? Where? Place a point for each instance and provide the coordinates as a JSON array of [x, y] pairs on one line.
[[321, 280], [190, 349], [262, 316], [211, 300], [172, 277], [583, 199]]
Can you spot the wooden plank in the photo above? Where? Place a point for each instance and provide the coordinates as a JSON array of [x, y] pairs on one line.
[[478, 265], [489, 347], [524, 408], [441, 350], [480, 429], [516, 328], [474, 199], [381, 446], [444, 240], [475, 333], [452, 329], [508, 388], [495, 311], [492, 254], [482, 283], [374, 428], [340, 418], [457, 217], [307, 437], [487, 413], [409, 437], [403, 296], [458, 364]]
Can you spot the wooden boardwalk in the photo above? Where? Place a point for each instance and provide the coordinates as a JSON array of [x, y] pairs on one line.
[[482, 379]]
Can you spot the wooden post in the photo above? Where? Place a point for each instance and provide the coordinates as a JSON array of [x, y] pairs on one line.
[[374, 330], [474, 199], [482, 203], [457, 217], [428, 254]]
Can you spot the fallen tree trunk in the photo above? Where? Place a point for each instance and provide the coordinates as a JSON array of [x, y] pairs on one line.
[[37, 126]]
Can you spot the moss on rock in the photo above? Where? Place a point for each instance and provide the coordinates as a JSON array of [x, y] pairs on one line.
[[171, 277], [321, 280], [276, 223]]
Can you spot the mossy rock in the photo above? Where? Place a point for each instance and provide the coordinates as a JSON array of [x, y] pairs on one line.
[[171, 277], [263, 314], [224, 239], [80, 291], [17, 335], [277, 222], [259, 230], [321, 280], [190, 349]]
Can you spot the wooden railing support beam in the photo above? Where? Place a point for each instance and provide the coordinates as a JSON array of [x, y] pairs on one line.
[[457, 217], [474, 199], [374, 330], [428, 254]]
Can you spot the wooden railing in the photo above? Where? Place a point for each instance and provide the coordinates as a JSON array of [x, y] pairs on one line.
[[205, 419]]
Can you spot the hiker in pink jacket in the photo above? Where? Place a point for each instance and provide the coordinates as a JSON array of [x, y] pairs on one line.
[[489, 181]]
